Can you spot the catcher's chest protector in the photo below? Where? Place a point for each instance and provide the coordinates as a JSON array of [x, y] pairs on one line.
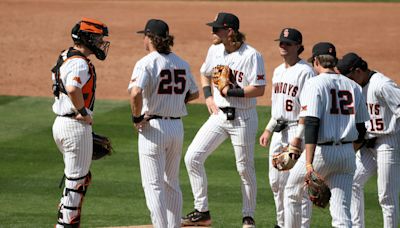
[[88, 89]]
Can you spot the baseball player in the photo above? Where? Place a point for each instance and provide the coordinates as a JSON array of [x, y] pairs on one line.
[[380, 153], [334, 112], [74, 85], [160, 85], [287, 84], [233, 115]]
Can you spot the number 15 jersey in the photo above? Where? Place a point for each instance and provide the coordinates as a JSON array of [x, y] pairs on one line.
[[165, 79]]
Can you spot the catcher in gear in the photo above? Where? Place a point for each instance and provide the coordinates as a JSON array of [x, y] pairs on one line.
[[287, 158], [318, 191], [74, 86]]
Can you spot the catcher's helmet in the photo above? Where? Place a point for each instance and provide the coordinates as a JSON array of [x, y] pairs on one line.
[[90, 33]]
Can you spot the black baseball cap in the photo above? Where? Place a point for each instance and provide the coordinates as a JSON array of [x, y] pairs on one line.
[[290, 35], [323, 48], [225, 20], [157, 27], [349, 62]]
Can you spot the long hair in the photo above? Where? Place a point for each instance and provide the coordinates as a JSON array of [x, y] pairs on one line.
[[327, 61], [301, 49], [238, 37], [161, 44]]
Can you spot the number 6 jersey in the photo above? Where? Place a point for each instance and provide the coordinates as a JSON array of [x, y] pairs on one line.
[[287, 84], [165, 79]]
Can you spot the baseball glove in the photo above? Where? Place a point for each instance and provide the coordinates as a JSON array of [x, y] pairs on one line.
[[318, 191], [101, 146], [221, 76], [287, 158]]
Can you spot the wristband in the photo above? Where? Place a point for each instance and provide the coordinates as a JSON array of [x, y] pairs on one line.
[[137, 119], [299, 131], [207, 91], [271, 124], [83, 111], [308, 165], [236, 92]]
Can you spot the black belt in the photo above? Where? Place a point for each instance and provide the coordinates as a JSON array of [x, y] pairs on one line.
[[68, 115], [227, 109], [333, 143], [163, 117]]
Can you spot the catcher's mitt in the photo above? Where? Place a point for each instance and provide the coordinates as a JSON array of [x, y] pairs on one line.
[[287, 158], [101, 146], [318, 191], [221, 76]]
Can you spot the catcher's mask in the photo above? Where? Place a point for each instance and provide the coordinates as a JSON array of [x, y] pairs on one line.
[[90, 33]]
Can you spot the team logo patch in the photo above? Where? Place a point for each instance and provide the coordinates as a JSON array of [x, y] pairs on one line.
[[304, 108], [260, 77], [77, 79], [286, 33]]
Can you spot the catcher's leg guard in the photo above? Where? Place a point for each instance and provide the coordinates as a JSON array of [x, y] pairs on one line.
[[69, 211]]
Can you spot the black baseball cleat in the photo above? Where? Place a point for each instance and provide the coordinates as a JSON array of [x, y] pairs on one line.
[[248, 222], [196, 218]]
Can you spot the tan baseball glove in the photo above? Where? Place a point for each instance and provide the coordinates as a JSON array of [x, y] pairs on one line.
[[101, 146], [318, 191], [287, 158], [220, 77]]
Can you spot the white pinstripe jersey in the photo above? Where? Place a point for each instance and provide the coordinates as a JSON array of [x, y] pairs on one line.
[[339, 104], [165, 80], [73, 72], [383, 104], [247, 65], [287, 84]]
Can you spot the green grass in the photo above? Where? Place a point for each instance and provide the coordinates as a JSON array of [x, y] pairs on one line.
[[31, 168]]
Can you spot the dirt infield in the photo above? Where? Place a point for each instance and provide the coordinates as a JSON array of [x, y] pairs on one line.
[[32, 36]]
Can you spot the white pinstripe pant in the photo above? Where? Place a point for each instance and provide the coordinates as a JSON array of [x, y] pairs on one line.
[[336, 164], [386, 163], [160, 149], [242, 132], [278, 179], [74, 140]]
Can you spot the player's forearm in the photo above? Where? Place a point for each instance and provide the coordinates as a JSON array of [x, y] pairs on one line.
[[205, 81], [271, 125], [136, 101], [76, 96], [311, 137], [254, 91], [310, 149], [192, 96]]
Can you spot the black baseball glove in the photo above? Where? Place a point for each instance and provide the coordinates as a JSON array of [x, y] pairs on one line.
[[101, 146]]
